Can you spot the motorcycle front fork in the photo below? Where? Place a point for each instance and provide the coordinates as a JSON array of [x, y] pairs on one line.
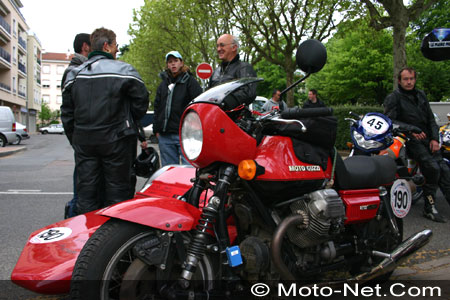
[[212, 219]]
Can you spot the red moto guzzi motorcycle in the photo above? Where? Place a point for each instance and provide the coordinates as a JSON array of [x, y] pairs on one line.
[[268, 200]]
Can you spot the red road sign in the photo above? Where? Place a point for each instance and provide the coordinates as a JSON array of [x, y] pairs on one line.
[[204, 71]]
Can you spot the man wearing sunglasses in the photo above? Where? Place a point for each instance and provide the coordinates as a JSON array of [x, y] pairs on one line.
[[231, 68]]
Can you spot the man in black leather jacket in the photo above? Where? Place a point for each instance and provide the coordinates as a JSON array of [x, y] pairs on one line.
[[410, 106], [232, 68], [102, 99], [82, 47]]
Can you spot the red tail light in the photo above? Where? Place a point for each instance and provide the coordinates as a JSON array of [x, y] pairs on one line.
[[14, 126], [25, 130]]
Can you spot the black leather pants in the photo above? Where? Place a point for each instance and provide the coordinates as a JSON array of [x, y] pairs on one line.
[[104, 169]]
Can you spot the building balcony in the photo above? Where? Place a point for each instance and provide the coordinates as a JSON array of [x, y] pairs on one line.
[[5, 87], [22, 94], [22, 70], [5, 27], [23, 44], [5, 59]]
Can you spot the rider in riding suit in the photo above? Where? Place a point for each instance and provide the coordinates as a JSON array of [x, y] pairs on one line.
[[410, 106], [233, 68]]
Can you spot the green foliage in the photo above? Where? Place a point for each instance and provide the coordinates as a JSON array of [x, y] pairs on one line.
[[438, 16], [342, 112], [274, 78], [47, 116], [359, 66], [161, 26], [432, 76]]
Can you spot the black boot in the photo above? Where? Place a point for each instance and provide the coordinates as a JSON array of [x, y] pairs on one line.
[[430, 211]]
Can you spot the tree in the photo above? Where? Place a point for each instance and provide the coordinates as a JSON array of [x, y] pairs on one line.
[[48, 116], [398, 17], [273, 29], [358, 68], [189, 26]]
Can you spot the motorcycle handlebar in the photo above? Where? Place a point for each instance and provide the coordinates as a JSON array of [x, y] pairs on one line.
[[297, 112]]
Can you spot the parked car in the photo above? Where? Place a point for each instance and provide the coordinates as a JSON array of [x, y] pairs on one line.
[[53, 128], [21, 133], [147, 124], [258, 103], [7, 126]]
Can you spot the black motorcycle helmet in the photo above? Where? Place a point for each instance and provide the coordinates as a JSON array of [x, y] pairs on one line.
[[147, 162]]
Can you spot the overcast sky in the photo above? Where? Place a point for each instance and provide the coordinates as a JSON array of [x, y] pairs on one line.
[[56, 22]]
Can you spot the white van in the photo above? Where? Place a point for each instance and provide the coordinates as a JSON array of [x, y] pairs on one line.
[[7, 126]]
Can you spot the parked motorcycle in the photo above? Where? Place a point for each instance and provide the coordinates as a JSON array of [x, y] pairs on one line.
[[444, 133], [268, 201], [375, 134]]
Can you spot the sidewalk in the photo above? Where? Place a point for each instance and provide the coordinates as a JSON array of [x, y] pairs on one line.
[[8, 150], [436, 269]]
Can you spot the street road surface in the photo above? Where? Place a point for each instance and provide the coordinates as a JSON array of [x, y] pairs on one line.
[[36, 184]]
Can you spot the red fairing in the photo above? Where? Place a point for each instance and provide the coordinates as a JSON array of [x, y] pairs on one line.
[[223, 140], [46, 263], [360, 205], [276, 155], [171, 181], [47, 260], [162, 213]]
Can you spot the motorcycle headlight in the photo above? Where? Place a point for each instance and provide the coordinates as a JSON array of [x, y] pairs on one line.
[[365, 144], [192, 135]]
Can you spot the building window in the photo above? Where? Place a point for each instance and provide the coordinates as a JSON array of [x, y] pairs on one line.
[[14, 54], [60, 69], [45, 83], [46, 69], [45, 98], [14, 84]]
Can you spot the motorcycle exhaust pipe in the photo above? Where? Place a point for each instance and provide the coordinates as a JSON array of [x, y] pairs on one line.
[[396, 257], [277, 240], [391, 261]]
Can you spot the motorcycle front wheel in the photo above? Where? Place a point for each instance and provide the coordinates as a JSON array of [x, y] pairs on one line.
[[109, 269]]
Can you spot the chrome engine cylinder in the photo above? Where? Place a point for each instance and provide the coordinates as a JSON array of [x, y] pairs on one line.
[[324, 209]]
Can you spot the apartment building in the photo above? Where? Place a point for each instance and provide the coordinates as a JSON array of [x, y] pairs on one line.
[[14, 59], [53, 67], [34, 50]]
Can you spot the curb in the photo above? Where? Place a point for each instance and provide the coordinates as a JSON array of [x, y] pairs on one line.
[[11, 150]]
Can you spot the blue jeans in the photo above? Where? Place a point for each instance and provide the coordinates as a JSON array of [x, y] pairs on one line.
[[170, 150]]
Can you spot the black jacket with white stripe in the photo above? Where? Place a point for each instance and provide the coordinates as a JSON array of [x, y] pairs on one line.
[[102, 99]]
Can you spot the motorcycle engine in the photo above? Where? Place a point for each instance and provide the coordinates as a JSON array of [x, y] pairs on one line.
[[323, 213]]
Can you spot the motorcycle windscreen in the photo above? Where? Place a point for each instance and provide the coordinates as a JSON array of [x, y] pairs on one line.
[[47, 260], [218, 93]]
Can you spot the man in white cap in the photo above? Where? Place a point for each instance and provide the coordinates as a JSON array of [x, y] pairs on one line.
[[177, 89]]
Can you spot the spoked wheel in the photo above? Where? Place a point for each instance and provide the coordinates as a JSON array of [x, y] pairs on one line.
[[111, 265]]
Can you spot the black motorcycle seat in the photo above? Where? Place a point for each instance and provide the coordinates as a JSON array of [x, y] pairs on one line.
[[362, 172]]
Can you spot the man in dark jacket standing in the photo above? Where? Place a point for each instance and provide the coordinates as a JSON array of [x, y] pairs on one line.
[[409, 106], [313, 101], [232, 68], [82, 47], [102, 99], [177, 89]]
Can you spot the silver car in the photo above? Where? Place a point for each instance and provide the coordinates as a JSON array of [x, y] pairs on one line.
[[7, 126], [21, 133]]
